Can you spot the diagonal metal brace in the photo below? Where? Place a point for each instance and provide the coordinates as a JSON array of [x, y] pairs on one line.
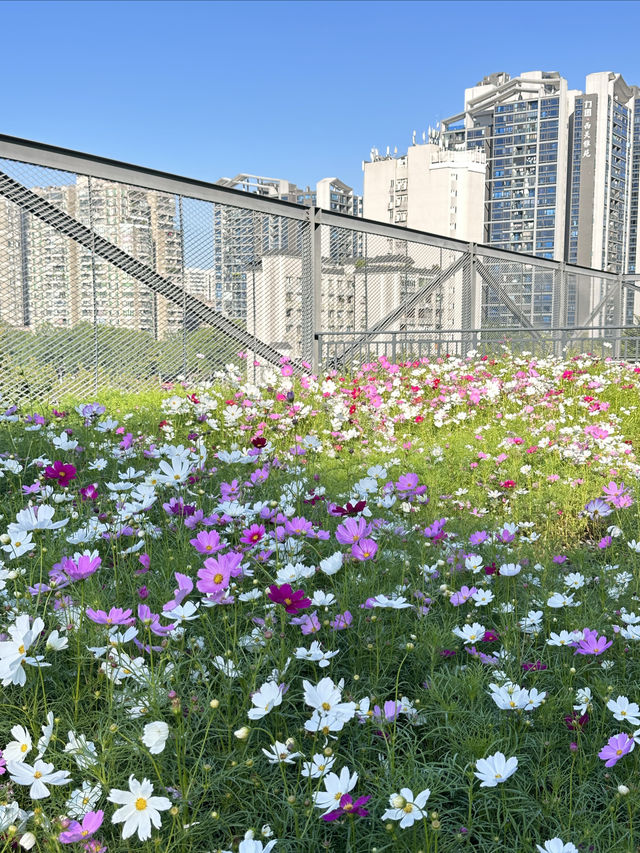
[[70, 227], [504, 296], [609, 294], [395, 315]]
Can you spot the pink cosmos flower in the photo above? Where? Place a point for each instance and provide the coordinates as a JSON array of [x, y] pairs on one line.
[[83, 568], [352, 530], [206, 542], [91, 823], [298, 526], [364, 550], [116, 616], [617, 747], [185, 586], [309, 623], [253, 534]]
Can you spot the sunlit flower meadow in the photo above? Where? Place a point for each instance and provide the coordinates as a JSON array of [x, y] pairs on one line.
[[391, 610]]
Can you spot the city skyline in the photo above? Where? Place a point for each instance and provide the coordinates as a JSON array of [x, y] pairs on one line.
[[214, 115]]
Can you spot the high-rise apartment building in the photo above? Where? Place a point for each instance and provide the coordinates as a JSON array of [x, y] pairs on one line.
[[430, 188], [562, 165], [242, 237]]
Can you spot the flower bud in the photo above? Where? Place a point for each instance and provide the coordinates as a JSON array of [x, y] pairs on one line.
[[242, 733], [623, 790]]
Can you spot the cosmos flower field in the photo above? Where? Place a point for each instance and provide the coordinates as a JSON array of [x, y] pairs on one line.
[[391, 610]]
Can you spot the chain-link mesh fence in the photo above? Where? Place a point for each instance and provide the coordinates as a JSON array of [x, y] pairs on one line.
[[107, 282]]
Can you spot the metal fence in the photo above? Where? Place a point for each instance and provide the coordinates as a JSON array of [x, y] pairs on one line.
[[113, 275]]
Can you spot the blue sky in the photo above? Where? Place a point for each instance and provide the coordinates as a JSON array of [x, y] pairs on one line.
[[299, 90]]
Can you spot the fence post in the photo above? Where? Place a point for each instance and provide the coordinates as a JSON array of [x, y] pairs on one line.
[[312, 289], [469, 302], [559, 317]]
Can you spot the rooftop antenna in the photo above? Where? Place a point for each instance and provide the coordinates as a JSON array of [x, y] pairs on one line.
[[395, 150], [413, 141], [424, 136]]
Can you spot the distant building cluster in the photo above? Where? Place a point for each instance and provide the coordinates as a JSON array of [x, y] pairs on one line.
[[528, 166]]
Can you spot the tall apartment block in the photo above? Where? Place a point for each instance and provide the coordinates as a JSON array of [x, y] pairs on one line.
[[242, 237], [430, 188]]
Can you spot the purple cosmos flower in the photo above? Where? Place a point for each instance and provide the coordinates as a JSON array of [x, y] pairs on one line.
[[293, 601], [348, 510], [407, 486], [206, 542], [309, 623], [152, 621], [592, 644], [390, 711], [185, 586], [462, 596], [348, 807], [342, 621], [435, 531], [298, 526], [116, 616], [598, 509], [617, 747], [537, 665], [478, 537], [91, 823]]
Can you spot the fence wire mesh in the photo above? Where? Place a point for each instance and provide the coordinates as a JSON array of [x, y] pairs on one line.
[[108, 283]]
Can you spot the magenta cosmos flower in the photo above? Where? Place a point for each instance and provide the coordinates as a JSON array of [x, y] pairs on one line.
[[592, 644], [61, 472], [91, 823], [348, 806], [617, 746], [293, 601]]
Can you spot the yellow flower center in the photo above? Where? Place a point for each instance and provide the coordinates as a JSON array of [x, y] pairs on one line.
[[347, 807], [24, 747], [326, 706], [84, 832], [287, 601], [618, 752], [408, 808], [218, 578], [21, 649], [498, 776], [37, 774], [338, 796], [141, 804], [596, 650]]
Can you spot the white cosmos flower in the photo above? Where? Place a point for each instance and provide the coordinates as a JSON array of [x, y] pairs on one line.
[[574, 580], [625, 711], [279, 754], [391, 602], [510, 569], [482, 597], [83, 800], [139, 808], [318, 767], [406, 808], [38, 777], [564, 638], [251, 845], [495, 769], [322, 599], [561, 599], [335, 787], [226, 666], [155, 736], [470, 633], [47, 731], [265, 699], [331, 565], [557, 845], [56, 642], [314, 653], [18, 749], [83, 750], [583, 700]]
